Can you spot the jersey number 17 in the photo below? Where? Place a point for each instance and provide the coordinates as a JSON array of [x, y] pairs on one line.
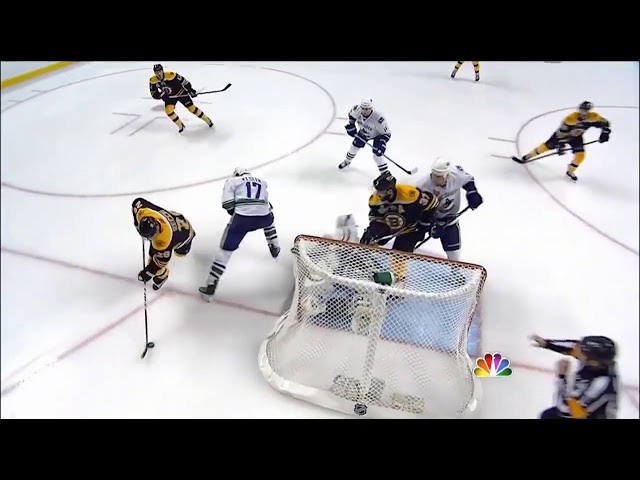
[[249, 189]]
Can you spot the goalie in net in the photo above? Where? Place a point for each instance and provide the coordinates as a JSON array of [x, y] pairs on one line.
[[357, 342]]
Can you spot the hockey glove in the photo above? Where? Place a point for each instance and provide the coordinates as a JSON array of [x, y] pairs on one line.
[[144, 276], [351, 129], [438, 229], [192, 93], [423, 228], [380, 146], [367, 238], [474, 199], [371, 237], [604, 135]]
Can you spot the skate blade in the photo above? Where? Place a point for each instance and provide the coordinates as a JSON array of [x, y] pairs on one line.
[[206, 298]]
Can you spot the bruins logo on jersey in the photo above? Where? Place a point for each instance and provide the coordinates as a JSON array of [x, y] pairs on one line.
[[395, 221]]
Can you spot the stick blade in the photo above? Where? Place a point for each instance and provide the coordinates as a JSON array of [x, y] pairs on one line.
[[413, 171], [146, 348], [518, 160]]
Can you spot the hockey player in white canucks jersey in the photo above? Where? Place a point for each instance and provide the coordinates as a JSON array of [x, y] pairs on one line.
[[246, 199], [445, 181], [373, 126]]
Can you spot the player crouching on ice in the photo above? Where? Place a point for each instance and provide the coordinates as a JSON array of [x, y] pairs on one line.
[[593, 393], [373, 126], [172, 88], [571, 132], [169, 232], [445, 182], [346, 229], [246, 199]]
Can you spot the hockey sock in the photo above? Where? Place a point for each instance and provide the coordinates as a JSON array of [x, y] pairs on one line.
[[219, 266], [578, 158], [453, 255], [382, 164], [351, 154], [170, 111], [199, 113], [271, 235], [399, 268], [537, 151]]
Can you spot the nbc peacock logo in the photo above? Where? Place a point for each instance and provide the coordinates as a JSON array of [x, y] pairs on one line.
[[492, 366]]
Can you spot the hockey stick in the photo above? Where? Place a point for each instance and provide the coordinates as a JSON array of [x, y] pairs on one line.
[[447, 225], [386, 238], [147, 343], [215, 91], [203, 93], [413, 171], [555, 152]]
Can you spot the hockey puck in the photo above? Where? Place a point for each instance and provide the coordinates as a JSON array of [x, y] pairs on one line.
[[360, 409], [151, 345]]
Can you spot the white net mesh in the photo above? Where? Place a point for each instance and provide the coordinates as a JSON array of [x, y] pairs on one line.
[[377, 332]]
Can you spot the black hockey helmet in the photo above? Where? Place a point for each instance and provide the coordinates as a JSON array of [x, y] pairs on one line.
[[148, 227], [599, 348], [585, 107], [158, 70], [384, 182]]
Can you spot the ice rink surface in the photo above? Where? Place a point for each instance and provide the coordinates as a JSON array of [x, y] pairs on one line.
[[79, 145]]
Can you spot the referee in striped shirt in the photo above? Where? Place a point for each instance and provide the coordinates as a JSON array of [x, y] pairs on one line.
[[593, 394]]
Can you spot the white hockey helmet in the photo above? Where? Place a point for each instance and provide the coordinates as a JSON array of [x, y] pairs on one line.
[[366, 104], [240, 171], [441, 167]]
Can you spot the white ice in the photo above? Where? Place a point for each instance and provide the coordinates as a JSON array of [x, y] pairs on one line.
[[562, 258]]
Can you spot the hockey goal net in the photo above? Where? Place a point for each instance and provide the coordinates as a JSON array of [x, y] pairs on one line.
[[376, 332]]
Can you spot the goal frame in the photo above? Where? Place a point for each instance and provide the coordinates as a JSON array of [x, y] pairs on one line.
[[340, 404]]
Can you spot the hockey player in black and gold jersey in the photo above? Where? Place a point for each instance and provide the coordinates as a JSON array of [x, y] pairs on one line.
[[401, 211], [571, 133], [459, 63], [169, 232], [593, 393], [173, 88]]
